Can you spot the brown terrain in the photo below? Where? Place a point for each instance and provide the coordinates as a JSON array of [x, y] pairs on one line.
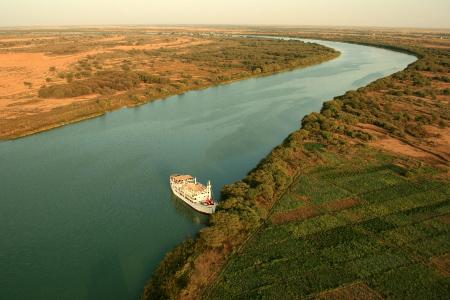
[[432, 144], [352, 291], [310, 210], [442, 263], [51, 77], [27, 63]]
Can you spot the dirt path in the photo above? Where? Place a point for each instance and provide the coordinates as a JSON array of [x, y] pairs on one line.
[[439, 153]]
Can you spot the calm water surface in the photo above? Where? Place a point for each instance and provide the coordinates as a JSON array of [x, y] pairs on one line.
[[86, 210]]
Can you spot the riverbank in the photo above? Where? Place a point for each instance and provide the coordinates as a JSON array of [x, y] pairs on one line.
[[66, 85], [402, 114], [97, 190]]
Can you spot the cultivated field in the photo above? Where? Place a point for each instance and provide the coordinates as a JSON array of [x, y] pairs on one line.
[[370, 227]]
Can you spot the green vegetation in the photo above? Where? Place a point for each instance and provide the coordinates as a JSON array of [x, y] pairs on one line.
[[323, 213], [257, 55], [175, 259], [102, 83], [386, 239], [224, 60]]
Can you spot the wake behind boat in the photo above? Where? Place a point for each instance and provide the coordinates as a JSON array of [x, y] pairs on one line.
[[195, 194]]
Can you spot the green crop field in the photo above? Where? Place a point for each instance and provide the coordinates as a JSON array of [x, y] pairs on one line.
[[366, 228]]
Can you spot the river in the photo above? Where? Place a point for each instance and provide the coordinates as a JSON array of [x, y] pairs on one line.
[[86, 210]]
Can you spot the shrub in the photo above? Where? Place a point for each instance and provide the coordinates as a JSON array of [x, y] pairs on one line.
[[69, 77], [149, 78], [105, 80], [416, 130], [166, 282], [326, 135], [331, 108], [423, 119]]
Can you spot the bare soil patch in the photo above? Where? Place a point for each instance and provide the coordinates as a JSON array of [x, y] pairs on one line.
[[341, 204], [445, 219], [442, 264], [179, 43], [302, 198], [23, 73], [435, 148], [25, 39], [354, 291], [17, 68], [394, 145], [439, 140], [205, 267], [298, 214]]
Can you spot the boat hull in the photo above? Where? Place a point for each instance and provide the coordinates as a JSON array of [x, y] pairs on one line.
[[204, 209]]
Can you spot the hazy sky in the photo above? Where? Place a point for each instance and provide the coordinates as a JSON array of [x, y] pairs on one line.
[[396, 13]]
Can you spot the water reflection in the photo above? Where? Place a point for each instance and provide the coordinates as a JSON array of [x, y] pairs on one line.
[[188, 212], [107, 272]]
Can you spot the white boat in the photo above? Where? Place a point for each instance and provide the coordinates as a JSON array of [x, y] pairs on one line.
[[195, 194]]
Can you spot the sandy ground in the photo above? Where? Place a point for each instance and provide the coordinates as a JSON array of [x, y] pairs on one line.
[[25, 39], [436, 149], [17, 68], [397, 146], [440, 140], [17, 98], [18, 108], [179, 43]]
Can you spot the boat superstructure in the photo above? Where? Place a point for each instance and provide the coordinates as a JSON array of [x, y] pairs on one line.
[[195, 194]]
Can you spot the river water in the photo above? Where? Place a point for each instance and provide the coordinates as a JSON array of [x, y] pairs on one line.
[[86, 210]]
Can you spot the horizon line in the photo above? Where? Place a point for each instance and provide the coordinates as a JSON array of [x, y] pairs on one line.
[[143, 25]]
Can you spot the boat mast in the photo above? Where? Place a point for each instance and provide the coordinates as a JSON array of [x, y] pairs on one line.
[[209, 190]]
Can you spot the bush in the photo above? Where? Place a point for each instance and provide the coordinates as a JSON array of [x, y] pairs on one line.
[[166, 283], [106, 80], [423, 119], [149, 78], [69, 77], [416, 130], [326, 135], [331, 108]]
